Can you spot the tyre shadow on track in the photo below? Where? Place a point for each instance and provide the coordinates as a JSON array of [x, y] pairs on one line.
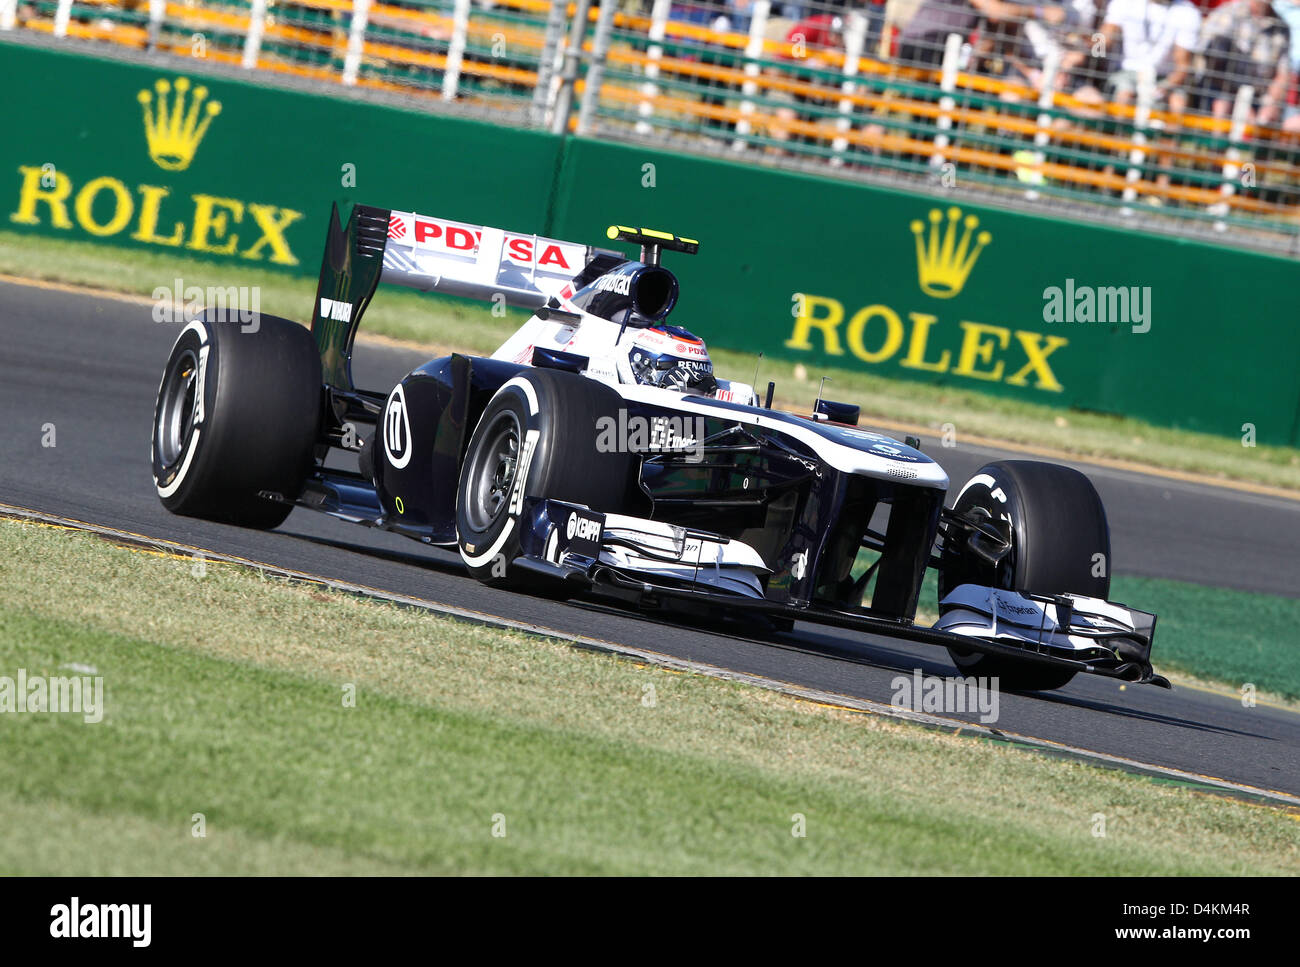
[[419, 557]]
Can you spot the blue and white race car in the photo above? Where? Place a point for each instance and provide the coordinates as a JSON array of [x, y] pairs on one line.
[[596, 452]]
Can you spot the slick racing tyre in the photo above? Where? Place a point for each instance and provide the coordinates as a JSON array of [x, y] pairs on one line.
[[1056, 525], [237, 414], [536, 438]]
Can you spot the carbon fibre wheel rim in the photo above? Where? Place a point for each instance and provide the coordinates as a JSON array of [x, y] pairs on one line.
[[493, 470], [177, 409]]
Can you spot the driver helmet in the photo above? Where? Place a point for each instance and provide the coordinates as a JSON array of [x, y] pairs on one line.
[[670, 357]]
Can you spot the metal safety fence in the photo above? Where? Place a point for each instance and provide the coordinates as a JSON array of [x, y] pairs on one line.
[[1188, 122], [452, 50]]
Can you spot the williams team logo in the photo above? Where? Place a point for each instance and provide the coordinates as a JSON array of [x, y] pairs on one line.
[[397, 429]]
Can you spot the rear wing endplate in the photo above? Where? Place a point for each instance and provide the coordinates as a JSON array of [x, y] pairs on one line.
[[432, 255]]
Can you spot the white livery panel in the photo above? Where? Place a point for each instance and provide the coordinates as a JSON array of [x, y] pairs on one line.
[[997, 615], [478, 262], [658, 549]]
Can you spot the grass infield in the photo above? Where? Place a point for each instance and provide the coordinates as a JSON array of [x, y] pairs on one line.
[[225, 693], [443, 324]]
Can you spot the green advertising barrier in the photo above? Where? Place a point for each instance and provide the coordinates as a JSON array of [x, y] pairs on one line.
[[799, 267], [205, 166], [903, 285]]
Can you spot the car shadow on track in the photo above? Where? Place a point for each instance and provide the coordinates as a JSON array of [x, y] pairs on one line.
[[419, 557], [867, 651], [873, 652], [1096, 705], [802, 642]]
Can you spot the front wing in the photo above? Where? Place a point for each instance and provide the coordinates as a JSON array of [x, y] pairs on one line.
[[651, 563]]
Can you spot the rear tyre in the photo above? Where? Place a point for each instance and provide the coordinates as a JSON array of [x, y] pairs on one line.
[[237, 414], [1057, 526], [536, 437]]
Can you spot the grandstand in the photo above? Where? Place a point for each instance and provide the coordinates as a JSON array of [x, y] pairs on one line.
[[1168, 116]]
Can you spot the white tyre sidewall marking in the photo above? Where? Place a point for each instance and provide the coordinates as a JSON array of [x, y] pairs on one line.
[[199, 328], [172, 487], [527, 387], [475, 560], [202, 332], [521, 480], [200, 392], [987, 482], [520, 489], [993, 487]]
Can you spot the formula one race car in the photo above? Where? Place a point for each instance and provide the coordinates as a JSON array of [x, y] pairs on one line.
[[597, 452]]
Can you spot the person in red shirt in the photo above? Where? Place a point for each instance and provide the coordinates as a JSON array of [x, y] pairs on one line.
[[810, 37]]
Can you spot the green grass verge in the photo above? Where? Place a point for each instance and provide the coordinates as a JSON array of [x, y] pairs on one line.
[[470, 327], [224, 697], [1231, 637]]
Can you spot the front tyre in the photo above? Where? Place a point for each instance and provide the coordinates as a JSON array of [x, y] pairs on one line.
[[536, 438], [1060, 543], [237, 414]]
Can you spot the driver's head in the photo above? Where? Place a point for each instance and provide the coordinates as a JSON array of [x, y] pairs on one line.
[[669, 357]]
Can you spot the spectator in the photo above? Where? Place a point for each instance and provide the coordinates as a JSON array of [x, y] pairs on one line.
[[1089, 76], [1159, 37], [702, 12], [922, 39], [723, 16], [1291, 117], [1246, 42], [1289, 10], [809, 40], [730, 16], [1020, 50], [717, 16], [813, 36], [1068, 42]]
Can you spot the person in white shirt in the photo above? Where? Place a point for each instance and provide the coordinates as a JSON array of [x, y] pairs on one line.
[[1159, 37], [1067, 43]]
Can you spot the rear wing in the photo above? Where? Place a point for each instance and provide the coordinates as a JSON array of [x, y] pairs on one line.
[[432, 255]]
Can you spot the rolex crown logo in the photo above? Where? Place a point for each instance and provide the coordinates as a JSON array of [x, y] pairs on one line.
[[943, 262], [173, 131]]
